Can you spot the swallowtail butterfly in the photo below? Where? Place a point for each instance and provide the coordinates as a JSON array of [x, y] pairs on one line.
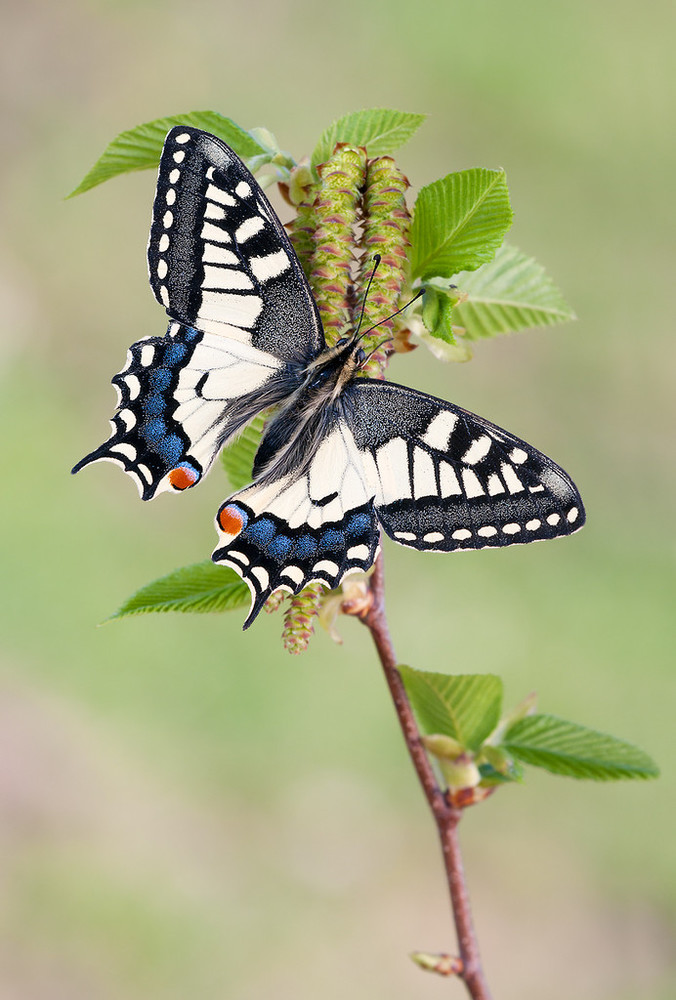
[[344, 455]]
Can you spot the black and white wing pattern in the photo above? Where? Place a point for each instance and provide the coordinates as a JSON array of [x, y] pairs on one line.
[[315, 524], [243, 323], [445, 479], [436, 477], [218, 257]]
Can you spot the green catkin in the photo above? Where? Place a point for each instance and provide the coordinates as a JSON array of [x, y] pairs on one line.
[[302, 233], [386, 228], [335, 212], [274, 601], [299, 620], [301, 191]]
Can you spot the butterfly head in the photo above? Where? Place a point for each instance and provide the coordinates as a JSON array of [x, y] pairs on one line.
[[350, 347], [333, 369]]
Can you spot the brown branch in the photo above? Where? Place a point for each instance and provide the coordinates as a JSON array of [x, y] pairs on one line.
[[376, 621], [447, 816]]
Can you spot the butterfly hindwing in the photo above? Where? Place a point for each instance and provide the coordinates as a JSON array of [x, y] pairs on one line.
[[218, 256], [445, 479], [180, 397], [314, 522], [272, 549]]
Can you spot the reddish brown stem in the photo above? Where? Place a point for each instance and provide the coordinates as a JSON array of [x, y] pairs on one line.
[[446, 815]]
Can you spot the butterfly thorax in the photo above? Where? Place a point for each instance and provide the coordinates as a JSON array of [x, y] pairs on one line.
[[296, 430]]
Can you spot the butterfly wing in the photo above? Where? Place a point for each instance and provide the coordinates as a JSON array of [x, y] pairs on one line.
[[445, 479], [180, 397], [218, 256], [317, 523], [243, 320]]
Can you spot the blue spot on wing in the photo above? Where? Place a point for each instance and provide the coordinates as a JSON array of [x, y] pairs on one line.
[[357, 524], [174, 353], [305, 546], [160, 379], [262, 531], [332, 540], [154, 429], [154, 404], [171, 449], [280, 546]]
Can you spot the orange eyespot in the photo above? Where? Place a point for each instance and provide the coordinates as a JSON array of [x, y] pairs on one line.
[[182, 477], [231, 519]]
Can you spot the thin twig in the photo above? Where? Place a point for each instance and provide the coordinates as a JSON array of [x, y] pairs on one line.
[[376, 621], [446, 815]]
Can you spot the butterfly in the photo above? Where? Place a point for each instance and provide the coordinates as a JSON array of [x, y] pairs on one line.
[[343, 455]]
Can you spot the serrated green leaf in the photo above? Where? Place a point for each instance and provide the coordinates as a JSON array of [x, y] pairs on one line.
[[566, 748], [511, 293], [139, 148], [381, 130], [465, 707], [459, 222], [201, 587], [238, 457]]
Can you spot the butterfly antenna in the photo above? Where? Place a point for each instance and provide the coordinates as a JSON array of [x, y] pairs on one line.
[[376, 325], [370, 354], [377, 258], [389, 336]]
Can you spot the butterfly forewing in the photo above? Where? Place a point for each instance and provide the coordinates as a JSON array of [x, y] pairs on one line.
[[218, 256], [436, 477], [445, 479]]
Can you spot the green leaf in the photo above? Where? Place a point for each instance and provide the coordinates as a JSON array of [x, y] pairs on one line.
[[381, 130], [438, 311], [459, 222], [465, 707], [201, 587], [139, 148], [238, 457], [567, 748], [512, 292], [437, 314]]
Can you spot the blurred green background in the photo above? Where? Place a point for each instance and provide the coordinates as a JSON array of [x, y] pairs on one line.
[[185, 810]]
